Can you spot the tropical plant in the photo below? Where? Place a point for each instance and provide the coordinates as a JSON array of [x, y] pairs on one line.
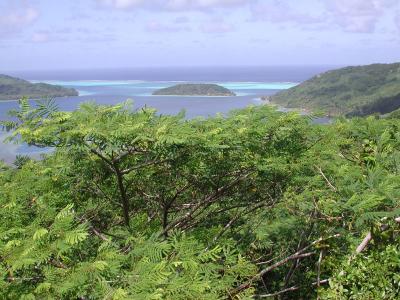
[[130, 204]]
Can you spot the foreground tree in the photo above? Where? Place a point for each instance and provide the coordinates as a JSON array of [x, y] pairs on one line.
[[132, 204]]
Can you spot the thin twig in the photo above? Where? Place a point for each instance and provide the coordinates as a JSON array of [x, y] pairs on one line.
[[293, 288], [327, 180], [321, 254], [146, 164], [99, 234], [204, 203], [296, 255]]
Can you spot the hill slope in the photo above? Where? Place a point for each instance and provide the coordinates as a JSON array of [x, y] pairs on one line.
[[14, 88], [394, 114], [360, 90], [195, 89]]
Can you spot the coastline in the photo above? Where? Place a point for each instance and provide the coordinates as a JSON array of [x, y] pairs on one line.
[[36, 99], [266, 100]]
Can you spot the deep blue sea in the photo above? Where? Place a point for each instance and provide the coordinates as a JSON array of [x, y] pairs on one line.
[[115, 86]]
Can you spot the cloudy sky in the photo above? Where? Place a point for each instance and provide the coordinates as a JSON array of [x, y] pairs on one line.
[[84, 34]]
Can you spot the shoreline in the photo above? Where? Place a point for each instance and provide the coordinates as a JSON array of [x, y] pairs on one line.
[[266, 101], [36, 99]]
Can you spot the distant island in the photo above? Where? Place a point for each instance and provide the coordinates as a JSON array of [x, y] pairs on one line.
[[350, 91], [12, 88], [195, 89]]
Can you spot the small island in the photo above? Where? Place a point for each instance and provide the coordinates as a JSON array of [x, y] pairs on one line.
[[12, 88], [194, 89]]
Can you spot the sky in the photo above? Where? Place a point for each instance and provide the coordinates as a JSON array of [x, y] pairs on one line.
[[91, 34]]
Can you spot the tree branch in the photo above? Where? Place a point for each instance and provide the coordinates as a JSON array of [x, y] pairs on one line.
[[364, 243], [126, 153], [100, 155], [326, 179], [368, 237], [99, 234], [293, 288], [153, 162], [298, 254], [233, 220], [205, 202]]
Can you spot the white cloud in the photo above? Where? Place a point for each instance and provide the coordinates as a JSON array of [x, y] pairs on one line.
[[187, 4], [181, 20], [121, 4], [19, 18], [276, 11], [155, 26], [51, 36], [174, 5], [359, 15], [40, 37], [397, 20], [14, 20], [216, 27]]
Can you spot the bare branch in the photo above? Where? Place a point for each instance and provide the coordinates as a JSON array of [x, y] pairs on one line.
[[321, 254], [58, 264], [207, 201], [233, 220], [99, 234], [123, 154], [293, 288], [298, 254], [364, 243], [327, 180], [153, 162], [100, 155], [368, 237]]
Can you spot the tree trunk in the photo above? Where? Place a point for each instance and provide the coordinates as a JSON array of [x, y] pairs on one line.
[[122, 192]]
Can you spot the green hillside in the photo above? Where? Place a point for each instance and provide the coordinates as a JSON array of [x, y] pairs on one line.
[[14, 88], [360, 90], [195, 89], [394, 114]]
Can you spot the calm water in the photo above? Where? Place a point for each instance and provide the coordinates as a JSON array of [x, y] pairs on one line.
[[115, 86]]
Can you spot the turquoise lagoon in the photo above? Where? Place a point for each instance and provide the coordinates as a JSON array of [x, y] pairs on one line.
[[140, 92]]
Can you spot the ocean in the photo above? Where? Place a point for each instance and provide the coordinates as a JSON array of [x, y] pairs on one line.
[[117, 85]]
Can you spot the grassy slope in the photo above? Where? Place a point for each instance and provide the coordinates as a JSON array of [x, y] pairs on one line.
[[14, 88], [394, 114], [359, 90]]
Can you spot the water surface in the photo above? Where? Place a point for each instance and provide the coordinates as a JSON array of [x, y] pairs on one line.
[[115, 86]]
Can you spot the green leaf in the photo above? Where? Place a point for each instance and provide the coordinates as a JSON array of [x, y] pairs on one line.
[[74, 237], [39, 234]]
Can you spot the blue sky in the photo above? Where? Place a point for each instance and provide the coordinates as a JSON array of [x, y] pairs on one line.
[[85, 34]]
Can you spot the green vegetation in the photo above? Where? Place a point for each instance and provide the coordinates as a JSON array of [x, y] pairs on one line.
[[395, 114], [258, 204], [354, 91], [195, 89], [14, 88]]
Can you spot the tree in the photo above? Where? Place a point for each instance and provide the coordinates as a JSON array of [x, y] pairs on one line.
[[133, 204]]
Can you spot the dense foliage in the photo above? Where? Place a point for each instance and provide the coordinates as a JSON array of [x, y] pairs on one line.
[[356, 91], [136, 205], [395, 114], [14, 88], [195, 89]]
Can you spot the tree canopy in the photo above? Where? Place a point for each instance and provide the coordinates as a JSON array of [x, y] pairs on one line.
[[257, 204]]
